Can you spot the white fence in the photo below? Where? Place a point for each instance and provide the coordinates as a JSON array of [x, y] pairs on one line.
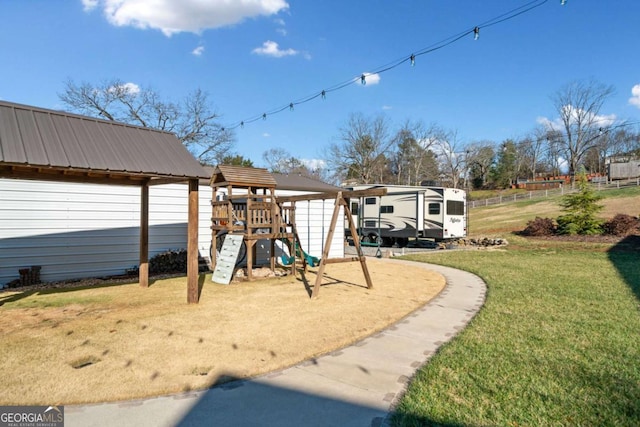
[[549, 193]]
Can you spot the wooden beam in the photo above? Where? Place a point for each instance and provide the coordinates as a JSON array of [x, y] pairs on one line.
[[163, 181], [193, 294], [327, 246], [356, 243], [82, 176], [371, 192], [143, 269], [340, 260]]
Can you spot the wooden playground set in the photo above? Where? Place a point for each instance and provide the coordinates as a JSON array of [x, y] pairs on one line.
[[248, 207]]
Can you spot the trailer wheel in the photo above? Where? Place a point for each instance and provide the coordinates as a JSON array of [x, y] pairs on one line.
[[402, 242], [387, 241], [370, 238]]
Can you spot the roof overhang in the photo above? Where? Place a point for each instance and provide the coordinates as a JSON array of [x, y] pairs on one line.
[[87, 176]]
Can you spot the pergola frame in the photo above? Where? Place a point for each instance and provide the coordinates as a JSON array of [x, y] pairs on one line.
[[49, 145], [144, 181]]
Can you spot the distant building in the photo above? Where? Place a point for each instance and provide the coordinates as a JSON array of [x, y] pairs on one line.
[[622, 167]]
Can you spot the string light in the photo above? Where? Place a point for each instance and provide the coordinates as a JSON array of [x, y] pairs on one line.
[[411, 59]]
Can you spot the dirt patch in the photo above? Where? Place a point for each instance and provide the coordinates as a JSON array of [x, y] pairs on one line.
[[108, 343]]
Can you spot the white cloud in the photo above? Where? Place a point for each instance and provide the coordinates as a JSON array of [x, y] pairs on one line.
[[270, 48], [130, 88], [89, 5], [594, 120], [370, 79], [281, 26], [198, 51], [635, 98], [266, 135], [387, 107], [175, 16], [549, 124], [314, 164]]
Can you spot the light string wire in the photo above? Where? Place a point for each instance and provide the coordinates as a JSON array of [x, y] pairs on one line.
[[527, 7]]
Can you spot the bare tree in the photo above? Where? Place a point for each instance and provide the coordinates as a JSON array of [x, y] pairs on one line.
[[479, 157], [624, 143], [451, 156], [279, 160], [192, 120], [553, 152], [578, 104], [413, 161], [360, 152], [533, 149]]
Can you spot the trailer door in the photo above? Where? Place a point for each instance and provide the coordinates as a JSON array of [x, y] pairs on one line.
[[455, 219]]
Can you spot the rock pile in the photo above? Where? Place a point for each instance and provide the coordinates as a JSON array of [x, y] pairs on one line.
[[474, 242]]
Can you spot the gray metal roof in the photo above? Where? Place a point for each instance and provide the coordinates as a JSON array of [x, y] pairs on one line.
[[47, 140]]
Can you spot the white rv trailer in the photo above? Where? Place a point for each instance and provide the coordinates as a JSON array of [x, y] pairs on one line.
[[410, 212]]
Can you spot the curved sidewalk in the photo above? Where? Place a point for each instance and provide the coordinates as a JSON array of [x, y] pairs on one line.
[[355, 386]]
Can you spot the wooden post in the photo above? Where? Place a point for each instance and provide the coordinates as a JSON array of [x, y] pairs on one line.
[[327, 246], [250, 251], [143, 269], [193, 294], [272, 258], [356, 243]]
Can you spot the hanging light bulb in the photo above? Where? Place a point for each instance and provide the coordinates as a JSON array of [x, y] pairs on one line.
[[264, 116], [291, 106], [242, 124], [363, 79], [413, 59], [476, 33], [323, 94]]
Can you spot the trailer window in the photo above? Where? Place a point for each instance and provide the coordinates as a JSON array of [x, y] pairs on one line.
[[434, 208], [386, 209], [370, 201], [455, 207], [354, 208]]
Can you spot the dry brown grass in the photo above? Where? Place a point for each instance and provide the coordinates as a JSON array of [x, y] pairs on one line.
[[124, 342], [514, 216]]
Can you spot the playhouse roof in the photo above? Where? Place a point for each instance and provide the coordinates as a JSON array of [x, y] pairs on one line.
[[242, 177]]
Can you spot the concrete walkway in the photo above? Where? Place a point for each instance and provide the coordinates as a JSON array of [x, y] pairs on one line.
[[356, 386]]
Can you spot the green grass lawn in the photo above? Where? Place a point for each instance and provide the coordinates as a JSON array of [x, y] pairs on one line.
[[557, 342]]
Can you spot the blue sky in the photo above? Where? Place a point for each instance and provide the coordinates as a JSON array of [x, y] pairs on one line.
[[254, 56]]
